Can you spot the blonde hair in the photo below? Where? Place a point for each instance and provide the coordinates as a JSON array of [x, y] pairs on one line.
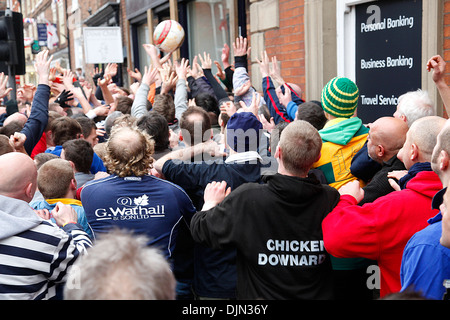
[[129, 152], [54, 178], [121, 266], [300, 144]]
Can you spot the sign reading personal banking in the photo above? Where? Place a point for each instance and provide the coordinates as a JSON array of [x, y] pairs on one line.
[[388, 55]]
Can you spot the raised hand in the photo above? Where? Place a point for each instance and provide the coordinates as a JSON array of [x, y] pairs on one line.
[[254, 105], [136, 74], [269, 126], [220, 74], [205, 60], [3, 86], [437, 64], [42, 66], [225, 56], [181, 68], [275, 72], [243, 89], [240, 47], [286, 97], [264, 64], [68, 79], [196, 71], [111, 69], [150, 75], [169, 82]]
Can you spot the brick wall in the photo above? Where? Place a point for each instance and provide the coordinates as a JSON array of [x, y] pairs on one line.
[[288, 41]]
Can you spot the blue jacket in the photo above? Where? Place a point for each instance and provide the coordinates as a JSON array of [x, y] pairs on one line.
[[145, 205], [76, 204], [425, 262], [276, 109], [97, 163]]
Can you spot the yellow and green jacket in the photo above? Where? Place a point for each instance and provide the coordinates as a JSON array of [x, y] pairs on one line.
[[342, 138]]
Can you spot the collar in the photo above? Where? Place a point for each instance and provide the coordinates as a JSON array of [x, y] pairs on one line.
[[438, 198], [435, 203], [333, 122], [391, 161], [243, 157], [64, 201]]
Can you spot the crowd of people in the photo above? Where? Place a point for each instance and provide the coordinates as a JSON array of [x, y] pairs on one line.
[[191, 185]]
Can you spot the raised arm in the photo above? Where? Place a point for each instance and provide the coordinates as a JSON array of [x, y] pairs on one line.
[[139, 106], [437, 64], [206, 66], [276, 109], [181, 96], [38, 119]]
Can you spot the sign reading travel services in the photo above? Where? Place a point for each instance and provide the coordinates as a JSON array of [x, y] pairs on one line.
[[103, 45], [388, 55]]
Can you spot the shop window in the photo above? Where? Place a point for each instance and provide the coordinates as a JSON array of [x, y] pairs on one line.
[[211, 24]]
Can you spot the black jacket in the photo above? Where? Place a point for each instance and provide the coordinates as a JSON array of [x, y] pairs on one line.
[[379, 185], [276, 228]]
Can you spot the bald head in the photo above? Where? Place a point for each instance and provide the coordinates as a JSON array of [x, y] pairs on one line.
[[440, 160], [421, 140], [424, 132], [16, 117], [386, 137], [296, 88], [18, 176], [129, 152]]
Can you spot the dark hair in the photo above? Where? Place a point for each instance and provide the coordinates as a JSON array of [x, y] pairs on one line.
[[188, 126], [124, 104], [275, 135], [11, 128], [52, 115], [313, 113], [224, 117], [43, 157], [208, 102], [86, 124], [157, 127], [80, 152], [64, 129], [5, 146], [164, 105]]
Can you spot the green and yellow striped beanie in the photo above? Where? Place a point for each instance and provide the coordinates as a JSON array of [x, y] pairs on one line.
[[340, 97]]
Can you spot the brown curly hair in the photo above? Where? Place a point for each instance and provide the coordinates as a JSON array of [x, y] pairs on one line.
[[129, 152]]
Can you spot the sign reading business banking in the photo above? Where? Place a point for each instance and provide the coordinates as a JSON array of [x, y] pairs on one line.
[[388, 55]]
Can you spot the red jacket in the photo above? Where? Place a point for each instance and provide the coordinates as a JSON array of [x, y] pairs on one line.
[[380, 230]]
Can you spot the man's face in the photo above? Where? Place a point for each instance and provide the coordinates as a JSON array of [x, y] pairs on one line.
[[397, 114], [435, 155], [372, 144], [92, 138], [405, 152], [445, 237]]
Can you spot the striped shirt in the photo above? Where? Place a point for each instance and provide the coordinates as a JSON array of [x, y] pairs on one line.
[[35, 261]]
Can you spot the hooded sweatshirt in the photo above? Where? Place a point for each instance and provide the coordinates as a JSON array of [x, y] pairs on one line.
[[342, 138], [35, 252], [276, 229], [380, 230]]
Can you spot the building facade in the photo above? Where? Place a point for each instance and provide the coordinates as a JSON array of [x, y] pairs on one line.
[[313, 40]]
